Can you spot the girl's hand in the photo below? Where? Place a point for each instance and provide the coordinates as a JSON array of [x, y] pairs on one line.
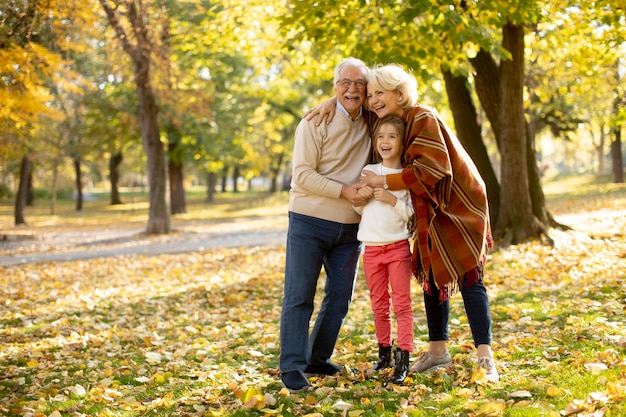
[[384, 196], [367, 192]]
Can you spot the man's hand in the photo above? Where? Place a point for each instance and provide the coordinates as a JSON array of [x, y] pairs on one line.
[[351, 193]]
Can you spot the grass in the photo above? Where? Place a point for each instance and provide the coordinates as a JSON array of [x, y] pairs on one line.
[[98, 213], [196, 334]]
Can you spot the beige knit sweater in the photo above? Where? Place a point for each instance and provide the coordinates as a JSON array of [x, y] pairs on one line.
[[325, 158]]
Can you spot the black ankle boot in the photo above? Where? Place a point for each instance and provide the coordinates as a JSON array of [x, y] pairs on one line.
[[402, 367], [384, 358]]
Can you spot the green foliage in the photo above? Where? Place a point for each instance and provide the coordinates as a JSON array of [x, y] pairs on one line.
[[65, 192], [5, 192]]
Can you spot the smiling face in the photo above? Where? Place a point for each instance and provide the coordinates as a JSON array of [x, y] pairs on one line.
[[350, 89], [384, 102], [389, 145]]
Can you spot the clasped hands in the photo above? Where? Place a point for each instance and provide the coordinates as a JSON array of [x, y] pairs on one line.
[[369, 186]]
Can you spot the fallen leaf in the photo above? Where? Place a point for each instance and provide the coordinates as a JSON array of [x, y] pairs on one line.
[[491, 409], [342, 405], [520, 394], [595, 367]]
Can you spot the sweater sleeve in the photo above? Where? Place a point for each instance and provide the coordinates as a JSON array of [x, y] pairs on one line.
[[403, 207]]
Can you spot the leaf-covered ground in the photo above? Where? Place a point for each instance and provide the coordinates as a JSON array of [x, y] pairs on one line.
[[196, 334]]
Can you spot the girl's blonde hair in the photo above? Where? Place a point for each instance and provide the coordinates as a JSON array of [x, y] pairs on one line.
[[393, 77]]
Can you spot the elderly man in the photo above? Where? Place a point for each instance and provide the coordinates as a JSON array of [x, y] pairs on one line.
[[327, 163]]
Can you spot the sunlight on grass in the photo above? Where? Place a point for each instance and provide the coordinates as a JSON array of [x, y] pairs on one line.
[[134, 213], [582, 194]]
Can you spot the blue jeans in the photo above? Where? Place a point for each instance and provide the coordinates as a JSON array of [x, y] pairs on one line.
[[311, 243], [476, 308]]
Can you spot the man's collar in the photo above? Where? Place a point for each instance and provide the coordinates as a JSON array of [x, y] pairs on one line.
[[345, 112]]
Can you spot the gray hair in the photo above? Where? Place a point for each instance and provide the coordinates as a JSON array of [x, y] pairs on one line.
[[393, 77], [350, 62]]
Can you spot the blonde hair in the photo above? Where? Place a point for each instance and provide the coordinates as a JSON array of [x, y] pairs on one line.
[[393, 77]]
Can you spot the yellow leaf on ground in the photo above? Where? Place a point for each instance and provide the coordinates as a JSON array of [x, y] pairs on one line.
[[478, 376], [310, 400], [250, 393], [218, 412], [491, 409]]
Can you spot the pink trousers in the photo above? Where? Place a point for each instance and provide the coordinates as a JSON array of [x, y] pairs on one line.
[[388, 274]]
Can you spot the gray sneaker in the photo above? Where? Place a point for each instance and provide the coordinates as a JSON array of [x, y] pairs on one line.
[[489, 366], [427, 362]]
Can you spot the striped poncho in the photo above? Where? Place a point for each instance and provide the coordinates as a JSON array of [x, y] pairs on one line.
[[452, 233]]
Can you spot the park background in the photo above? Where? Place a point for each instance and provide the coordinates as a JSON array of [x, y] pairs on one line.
[[168, 117]]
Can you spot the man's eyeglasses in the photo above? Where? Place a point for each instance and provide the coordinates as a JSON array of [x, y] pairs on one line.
[[346, 83]]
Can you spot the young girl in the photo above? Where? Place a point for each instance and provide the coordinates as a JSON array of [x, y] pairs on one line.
[[387, 255]]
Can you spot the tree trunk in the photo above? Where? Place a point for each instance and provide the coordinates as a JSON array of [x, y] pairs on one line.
[[537, 197], [211, 183], [516, 221], [177, 190], [470, 135], [175, 169], [616, 144], [600, 150], [235, 177], [30, 196], [141, 54], [55, 185], [79, 185], [500, 92], [114, 173], [158, 216], [487, 80], [22, 191], [274, 171], [616, 156], [224, 178]]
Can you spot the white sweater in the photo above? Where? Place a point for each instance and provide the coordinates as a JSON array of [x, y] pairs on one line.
[[382, 224]]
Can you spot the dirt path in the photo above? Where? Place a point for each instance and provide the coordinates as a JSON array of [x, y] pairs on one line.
[[59, 246]]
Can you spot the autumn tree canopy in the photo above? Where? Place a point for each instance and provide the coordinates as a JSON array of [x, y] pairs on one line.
[[216, 88]]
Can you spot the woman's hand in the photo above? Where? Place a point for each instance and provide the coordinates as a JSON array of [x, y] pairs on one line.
[[324, 110], [371, 179]]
